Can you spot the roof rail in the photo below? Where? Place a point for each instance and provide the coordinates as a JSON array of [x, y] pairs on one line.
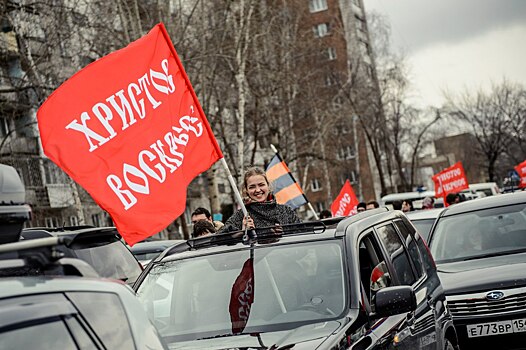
[[262, 235]]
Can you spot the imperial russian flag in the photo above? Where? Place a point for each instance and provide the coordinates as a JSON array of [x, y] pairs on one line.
[[129, 129], [286, 189]]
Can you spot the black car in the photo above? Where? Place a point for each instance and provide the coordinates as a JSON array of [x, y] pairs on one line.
[[364, 282], [480, 249], [101, 247]]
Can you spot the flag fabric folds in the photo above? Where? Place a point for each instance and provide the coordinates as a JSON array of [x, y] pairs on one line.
[[286, 189], [242, 296], [129, 129], [346, 202]]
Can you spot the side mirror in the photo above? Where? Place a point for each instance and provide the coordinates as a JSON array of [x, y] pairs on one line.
[[394, 300]]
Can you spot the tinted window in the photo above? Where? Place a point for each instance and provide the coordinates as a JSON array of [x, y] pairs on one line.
[[393, 244], [411, 248], [52, 335], [106, 316]]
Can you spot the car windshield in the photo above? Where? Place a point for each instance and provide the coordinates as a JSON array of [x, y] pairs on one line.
[[423, 226], [111, 259], [479, 234], [208, 296]]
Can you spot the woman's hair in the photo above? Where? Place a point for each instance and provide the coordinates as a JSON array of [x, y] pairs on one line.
[[253, 171]]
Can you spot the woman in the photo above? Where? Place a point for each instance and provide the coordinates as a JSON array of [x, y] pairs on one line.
[[263, 211]]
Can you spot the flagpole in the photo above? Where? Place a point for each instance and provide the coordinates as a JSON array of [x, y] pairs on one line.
[[308, 203], [237, 195]]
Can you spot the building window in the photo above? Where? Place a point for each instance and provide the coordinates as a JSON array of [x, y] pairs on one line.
[[331, 53], [95, 218], [53, 174], [329, 80], [346, 152], [351, 176], [320, 206], [221, 188], [73, 221], [4, 127], [321, 30], [315, 185], [317, 5], [52, 222]]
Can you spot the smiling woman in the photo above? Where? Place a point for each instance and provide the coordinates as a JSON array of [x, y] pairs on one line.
[[262, 208]]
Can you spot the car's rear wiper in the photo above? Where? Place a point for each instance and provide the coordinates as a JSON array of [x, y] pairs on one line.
[[489, 255]]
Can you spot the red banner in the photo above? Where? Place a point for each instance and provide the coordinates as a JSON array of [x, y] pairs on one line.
[[129, 129], [242, 297], [346, 202], [450, 180], [521, 170]]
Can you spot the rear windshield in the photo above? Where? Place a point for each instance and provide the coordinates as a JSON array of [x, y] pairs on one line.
[[110, 258]]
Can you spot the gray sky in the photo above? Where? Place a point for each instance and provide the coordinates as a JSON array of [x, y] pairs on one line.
[[455, 45]]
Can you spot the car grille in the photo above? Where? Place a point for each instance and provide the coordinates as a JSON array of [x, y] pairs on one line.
[[474, 305]]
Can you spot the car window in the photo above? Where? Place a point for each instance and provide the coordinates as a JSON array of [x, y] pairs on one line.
[[412, 248], [50, 335], [393, 244], [493, 231], [374, 272], [106, 316], [280, 284], [111, 259]]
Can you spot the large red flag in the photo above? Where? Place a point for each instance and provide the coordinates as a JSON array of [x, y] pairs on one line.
[[450, 180], [346, 202], [242, 296], [130, 130], [521, 170]]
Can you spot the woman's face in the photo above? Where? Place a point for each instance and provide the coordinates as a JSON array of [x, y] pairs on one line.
[[406, 207], [257, 188]]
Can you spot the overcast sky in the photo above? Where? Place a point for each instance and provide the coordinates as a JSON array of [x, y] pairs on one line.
[[457, 44]]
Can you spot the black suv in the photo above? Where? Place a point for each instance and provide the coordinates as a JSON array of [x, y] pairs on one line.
[[364, 282]]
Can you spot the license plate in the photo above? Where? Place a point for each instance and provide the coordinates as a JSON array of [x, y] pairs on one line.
[[496, 328]]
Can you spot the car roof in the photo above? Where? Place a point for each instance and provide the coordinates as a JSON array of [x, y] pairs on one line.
[[486, 202], [20, 286], [307, 231], [424, 214]]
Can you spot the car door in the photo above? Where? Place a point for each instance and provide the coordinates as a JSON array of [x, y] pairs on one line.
[[376, 273], [403, 254]]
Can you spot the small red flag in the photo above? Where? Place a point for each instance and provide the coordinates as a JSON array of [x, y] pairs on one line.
[[242, 297], [346, 202], [129, 129], [521, 170], [450, 180]]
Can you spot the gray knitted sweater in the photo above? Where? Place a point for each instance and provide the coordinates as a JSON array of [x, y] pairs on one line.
[[264, 214]]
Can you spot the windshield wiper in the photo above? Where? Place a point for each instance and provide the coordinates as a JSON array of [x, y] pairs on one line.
[[489, 255]]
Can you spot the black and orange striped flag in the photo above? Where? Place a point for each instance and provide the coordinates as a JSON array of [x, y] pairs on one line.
[[286, 189]]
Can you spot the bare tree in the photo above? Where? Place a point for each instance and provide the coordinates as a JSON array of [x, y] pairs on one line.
[[495, 118]]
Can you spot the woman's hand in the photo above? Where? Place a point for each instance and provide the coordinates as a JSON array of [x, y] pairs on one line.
[[248, 223]]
